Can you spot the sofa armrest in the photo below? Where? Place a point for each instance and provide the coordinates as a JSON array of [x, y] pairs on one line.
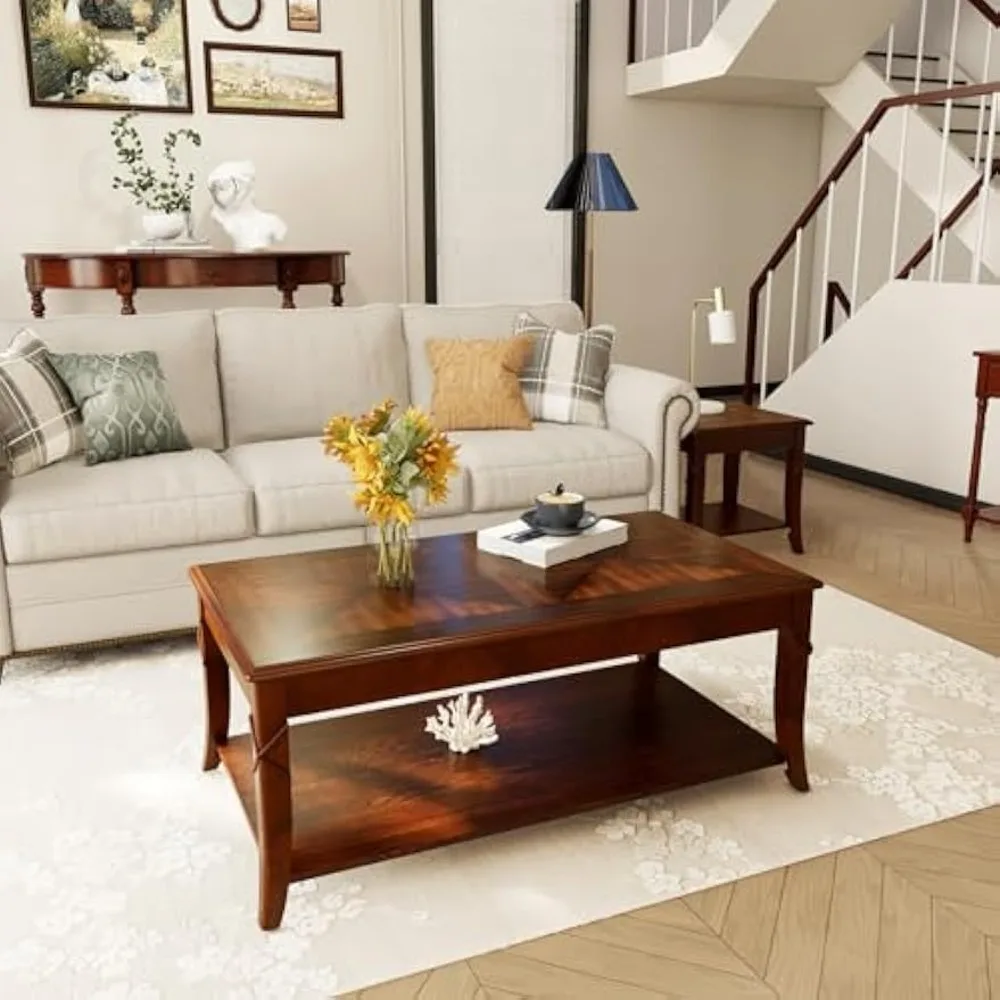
[[658, 411]]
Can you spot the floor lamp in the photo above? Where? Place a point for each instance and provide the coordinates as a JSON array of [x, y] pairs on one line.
[[591, 183], [721, 331]]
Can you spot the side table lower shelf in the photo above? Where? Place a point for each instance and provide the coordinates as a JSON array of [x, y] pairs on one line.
[[723, 521]]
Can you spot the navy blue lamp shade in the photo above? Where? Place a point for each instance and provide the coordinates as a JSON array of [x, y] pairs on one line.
[[592, 183]]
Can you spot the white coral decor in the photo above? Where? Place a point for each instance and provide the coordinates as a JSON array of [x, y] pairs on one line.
[[463, 726]]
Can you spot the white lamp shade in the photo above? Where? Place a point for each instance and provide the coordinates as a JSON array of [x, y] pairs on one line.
[[722, 327]]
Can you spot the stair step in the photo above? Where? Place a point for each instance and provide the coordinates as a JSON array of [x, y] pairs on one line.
[[905, 55], [954, 104], [931, 79]]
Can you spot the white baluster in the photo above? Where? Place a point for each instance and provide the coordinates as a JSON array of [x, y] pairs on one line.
[[666, 27], [945, 148], [831, 192], [765, 349], [921, 42], [890, 45], [793, 325], [644, 48], [898, 207], [690, 23], [715, 11], [982, 100], [985, 193], [862, 190]]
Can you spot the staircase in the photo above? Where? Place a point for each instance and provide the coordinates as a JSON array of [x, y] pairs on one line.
[[898, 249], [750, 51]]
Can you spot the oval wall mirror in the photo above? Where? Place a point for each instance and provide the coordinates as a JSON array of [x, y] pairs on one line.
[[238, 15]]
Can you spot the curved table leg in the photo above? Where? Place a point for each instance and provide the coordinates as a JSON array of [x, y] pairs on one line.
[[791, 672], [273, 786], [216, 696]]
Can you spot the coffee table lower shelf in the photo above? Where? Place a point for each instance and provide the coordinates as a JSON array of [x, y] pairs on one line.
[[373, 786]]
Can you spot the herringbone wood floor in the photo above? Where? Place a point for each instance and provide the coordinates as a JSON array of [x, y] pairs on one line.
[[911, 917]]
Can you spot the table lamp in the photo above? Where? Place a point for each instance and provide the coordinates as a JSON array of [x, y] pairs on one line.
[[721, 331], [591, 183]]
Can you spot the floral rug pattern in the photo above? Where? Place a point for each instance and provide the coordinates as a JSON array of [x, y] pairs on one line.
[[128, 874]]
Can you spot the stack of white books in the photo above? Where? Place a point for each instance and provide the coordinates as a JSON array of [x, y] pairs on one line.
[[549, 550]]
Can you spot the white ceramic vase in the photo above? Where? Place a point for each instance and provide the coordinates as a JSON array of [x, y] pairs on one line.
[[163, 225]]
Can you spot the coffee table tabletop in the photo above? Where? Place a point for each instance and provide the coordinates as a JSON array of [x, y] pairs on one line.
[[307, 633]]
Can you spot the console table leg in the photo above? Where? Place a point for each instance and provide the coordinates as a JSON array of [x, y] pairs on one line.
[[273, 786], [795, 463], [38, 303], [791, 670], [216, 696], [730, 483], [337, 299], [969, 511]]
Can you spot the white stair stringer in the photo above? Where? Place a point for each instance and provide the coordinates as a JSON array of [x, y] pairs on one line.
[[855, 97], [892, 391], [767, 51]]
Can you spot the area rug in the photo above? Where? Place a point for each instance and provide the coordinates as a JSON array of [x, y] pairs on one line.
[[127, 874]]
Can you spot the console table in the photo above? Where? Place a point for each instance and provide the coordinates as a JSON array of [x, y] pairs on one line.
[[987, 388], [126, 273]]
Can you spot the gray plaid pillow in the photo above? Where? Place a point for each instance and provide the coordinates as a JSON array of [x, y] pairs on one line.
[[564, 379], [39, 422]]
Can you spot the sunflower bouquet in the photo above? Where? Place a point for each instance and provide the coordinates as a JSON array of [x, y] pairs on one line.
[[391, 456]]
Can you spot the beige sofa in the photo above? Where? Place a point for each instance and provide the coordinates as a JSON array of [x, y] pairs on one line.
[[99, 553]]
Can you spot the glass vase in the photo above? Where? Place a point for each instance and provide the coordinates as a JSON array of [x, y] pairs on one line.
[[391, 546]]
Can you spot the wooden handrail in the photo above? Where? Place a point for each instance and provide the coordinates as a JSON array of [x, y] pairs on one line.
[[815, 203], [947, 223], [986, 10], [835, 295]]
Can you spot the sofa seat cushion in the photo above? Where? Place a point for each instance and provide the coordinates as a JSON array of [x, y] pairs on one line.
[[297, 488], [508, 469], [70, 511]]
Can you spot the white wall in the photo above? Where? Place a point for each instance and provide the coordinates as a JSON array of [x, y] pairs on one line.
[[338, 184], [504, 79], [717, 187], [893, 391]]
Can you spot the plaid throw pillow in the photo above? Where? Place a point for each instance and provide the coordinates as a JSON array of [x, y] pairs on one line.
[[39, 422], [564, 379]]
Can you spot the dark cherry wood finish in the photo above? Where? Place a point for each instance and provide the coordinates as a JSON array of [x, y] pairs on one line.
[[127, 273], [987, 388], [306, 633], [745, 428]]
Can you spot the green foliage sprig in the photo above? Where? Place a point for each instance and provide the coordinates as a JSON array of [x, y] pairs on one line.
[[156, 192]]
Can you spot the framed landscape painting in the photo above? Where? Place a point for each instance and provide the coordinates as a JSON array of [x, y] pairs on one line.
[[115, 55], [303, 15], [266, 80]]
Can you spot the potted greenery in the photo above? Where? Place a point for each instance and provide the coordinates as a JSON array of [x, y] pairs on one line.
[[165, 196]]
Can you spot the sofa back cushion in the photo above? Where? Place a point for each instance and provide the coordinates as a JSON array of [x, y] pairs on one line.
[[184, 344], [285, 372], [422, 323]]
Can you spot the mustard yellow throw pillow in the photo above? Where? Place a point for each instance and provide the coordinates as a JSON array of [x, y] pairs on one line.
[[476, 385]]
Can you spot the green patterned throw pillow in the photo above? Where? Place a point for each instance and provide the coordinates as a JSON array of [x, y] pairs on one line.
[[125, 404]]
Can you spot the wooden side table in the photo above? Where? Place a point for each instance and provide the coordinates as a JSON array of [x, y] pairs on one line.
[[745, 428], [987, 388]]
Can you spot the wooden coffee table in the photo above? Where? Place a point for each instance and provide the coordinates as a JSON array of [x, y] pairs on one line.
[[307, 633]]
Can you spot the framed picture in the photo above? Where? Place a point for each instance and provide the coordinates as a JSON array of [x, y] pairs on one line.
[[112, 55], [266, 80], [303, 15]]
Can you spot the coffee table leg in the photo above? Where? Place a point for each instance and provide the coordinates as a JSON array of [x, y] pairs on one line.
[[216, 695], [273, 786], [790, 688]]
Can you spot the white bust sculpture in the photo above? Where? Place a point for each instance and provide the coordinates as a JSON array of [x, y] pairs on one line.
[[231, 187]]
